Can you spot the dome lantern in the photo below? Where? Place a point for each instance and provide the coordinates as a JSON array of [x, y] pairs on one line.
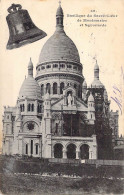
[[96, 82], [59, 46], [59, 17], [30, 68], [96, 71], [30, 87]]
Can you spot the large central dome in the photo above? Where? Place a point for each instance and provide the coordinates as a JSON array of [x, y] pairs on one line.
[[59, 46]]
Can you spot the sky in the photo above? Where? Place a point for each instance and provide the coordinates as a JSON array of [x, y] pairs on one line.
[[106, 44]]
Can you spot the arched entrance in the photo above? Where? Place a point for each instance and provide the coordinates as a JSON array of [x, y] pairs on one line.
[[58, 151], [84, 151], [71, 151]]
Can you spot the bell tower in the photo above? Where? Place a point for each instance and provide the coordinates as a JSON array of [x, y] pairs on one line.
[[102, 128]]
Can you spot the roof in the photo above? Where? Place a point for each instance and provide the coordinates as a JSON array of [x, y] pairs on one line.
[[59, 11], [30, 89], [97, 84], [59, 47]]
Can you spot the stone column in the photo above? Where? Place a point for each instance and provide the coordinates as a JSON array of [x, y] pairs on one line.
[[73, 100], [94, 153], [64, 153], [7, 147], [52, 153], [26, 106], [77, 153], [52, 89], [20, 146], [58, 90], [65, 100], [35, 107], [44, 89], [90, 153]]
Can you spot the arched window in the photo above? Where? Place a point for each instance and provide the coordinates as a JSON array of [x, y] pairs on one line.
[[58, 150], [55, 65], [79, 91], [69, 66], [57, 20], [40, 110], [31, 146], [47, 114], [84, 151], [71, 151], [75, 67], [42, 89], [75, 86], [56, 131], [54, 88], [61, 21], [62, 65], [23, 107], [36, 148], [7, 129], [61, 88], [48, 66], [42, 67], [32, 107], [26, 149], [29, 107], [48, 88]]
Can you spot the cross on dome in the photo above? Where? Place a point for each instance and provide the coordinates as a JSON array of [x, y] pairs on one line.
[[59, 3]]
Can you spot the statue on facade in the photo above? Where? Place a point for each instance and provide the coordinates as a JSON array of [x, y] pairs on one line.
[[70, 100]]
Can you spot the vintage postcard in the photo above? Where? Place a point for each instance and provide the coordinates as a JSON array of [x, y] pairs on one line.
[[61, 97]]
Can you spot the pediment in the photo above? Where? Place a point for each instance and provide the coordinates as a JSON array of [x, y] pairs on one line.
[[57, 105], [79, 105]]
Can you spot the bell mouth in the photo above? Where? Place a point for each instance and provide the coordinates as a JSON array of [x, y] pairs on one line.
[[21, 40]]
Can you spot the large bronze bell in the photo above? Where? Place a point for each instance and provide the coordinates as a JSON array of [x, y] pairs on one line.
[[21, 28]]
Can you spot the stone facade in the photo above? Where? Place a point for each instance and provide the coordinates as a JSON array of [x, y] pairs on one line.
[[56, 114]]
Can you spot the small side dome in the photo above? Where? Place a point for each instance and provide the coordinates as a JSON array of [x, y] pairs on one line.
[[30, 87], [90, 98], [97, 84]]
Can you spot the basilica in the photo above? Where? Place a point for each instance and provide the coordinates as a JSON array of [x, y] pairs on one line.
[[57, 115]]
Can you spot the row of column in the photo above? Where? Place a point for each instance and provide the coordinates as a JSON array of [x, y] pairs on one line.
[[59, 90], [78, 151], [77, 154]]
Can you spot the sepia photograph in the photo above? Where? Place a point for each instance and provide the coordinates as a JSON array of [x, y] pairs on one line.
[[61, 97]]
